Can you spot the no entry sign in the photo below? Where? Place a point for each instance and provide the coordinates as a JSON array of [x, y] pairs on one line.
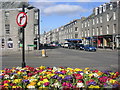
[[21, 19]]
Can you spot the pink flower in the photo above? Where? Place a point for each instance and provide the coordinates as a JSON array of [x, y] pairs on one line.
[[103, 79], [46, 84]]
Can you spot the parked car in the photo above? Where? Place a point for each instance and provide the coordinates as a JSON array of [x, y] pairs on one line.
[[71, 45], [79, 46], [89, 48], [65, 45]]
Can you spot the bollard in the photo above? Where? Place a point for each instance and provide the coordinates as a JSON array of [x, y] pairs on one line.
[[43, 53]]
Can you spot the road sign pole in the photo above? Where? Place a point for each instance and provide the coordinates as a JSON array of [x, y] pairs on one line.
[[23, 48]]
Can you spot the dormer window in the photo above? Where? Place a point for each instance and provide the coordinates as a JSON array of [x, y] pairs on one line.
[[96, 11], [100, 9], [104, 7], [111, 7]]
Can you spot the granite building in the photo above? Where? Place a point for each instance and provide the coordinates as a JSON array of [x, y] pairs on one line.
[[11, 33], [101, 28]]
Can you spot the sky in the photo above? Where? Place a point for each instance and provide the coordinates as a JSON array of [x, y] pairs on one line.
[[56, 13]]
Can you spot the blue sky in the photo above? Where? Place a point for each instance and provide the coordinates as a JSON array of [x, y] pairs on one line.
[[57, 13]]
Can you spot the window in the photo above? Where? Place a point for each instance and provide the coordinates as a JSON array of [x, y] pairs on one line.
[[97, 31], [107, 29], [104, 7], [93, 31], [93, 22], [107, 17], [36, 15], [85, 33], [100, 19], [114, 16], [6, 14], [76, 35], [100, 8], [101, 32], [76, 28], [82, 33], [97, 20], [88, 23], [88, 32], [85, 24], [114, 28], [35, 29], [82, 25], [7, 28], [3, 43]]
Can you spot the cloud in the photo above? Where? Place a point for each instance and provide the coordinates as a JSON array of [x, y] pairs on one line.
[[63, 9]]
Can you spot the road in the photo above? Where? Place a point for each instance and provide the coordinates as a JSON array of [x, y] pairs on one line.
[[102, 59]]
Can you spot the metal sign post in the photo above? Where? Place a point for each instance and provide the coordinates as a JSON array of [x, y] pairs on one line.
[[22, 21]]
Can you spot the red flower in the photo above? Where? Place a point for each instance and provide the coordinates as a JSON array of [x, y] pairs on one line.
[[78, 76]]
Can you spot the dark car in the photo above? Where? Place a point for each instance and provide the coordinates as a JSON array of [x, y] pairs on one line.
[[79, 46], [89, 48], [71, 45]]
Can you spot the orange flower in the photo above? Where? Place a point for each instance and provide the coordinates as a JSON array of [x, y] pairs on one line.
[[32, 83]]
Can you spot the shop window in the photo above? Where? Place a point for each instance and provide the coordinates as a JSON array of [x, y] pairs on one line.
[[10, 43], [76, 35]]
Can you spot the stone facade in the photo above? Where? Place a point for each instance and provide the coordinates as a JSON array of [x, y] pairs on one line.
[[11, 36]]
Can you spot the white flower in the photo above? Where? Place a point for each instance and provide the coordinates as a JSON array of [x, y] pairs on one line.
[[56, 85], [6, 76], [80, 85], [31, 86]]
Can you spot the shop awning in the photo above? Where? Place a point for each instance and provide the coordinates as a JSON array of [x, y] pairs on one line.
[[73, 39]]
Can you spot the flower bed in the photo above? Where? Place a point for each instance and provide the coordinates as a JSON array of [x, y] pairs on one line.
[[58, 78]]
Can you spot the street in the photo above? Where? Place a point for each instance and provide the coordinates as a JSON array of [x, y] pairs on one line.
[[102, 59]]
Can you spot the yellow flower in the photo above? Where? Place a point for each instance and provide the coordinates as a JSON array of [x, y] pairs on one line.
[[112, 81], [42, 67], [90, 75], [39, 83], [87, 68], [61, 75], [19, 72], [17, 81], [78, 69], [14, 86], [45, 80], [92, 86], [6, 84]]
